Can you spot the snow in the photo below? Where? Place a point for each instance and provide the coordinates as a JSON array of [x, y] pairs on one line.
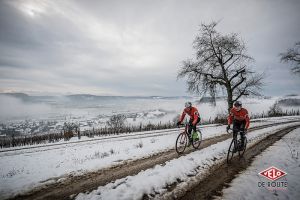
[[208, 130], [154, 180], [24, 169], [205, 131], [284, 154]]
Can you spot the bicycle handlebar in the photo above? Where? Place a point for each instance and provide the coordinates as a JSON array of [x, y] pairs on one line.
[[232, 131], [178, 126], [227, 130]]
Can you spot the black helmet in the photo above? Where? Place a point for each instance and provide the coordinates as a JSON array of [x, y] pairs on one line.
[[188, 104], [237, 103]]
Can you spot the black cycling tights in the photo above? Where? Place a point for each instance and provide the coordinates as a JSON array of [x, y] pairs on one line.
[[192, 127], [239, 126]]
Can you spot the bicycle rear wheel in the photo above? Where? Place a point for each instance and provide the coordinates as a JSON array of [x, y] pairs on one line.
[[197, 139], [230, 151], [181, 143], [241, 153]]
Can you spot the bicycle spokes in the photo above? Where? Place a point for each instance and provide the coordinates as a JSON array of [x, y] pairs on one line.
[[196, 139], [184, 140], [237, 145], [231, 150], [181, 142]]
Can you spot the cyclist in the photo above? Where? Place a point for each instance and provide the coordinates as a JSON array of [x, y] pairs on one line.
[[194, 118], [238, 116]]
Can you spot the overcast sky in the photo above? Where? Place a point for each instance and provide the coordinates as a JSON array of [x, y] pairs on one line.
[[134, 47]]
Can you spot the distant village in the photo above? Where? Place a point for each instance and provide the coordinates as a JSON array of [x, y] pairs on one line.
[[29, 127]]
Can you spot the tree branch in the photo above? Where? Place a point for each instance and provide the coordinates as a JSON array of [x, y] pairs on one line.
[[239, 83], [237, 73]]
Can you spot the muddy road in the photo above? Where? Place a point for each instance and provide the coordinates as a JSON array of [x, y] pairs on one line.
[[90, 181], [221, 175]]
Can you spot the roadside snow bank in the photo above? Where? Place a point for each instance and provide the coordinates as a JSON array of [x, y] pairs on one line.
[[285, 155], [25, 169], [154, 181]]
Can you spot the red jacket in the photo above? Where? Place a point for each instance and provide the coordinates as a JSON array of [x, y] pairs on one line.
[[192, 112], [239, 116]]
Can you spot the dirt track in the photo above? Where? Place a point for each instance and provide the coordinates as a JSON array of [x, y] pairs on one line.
[[221, 175], [90, 181]]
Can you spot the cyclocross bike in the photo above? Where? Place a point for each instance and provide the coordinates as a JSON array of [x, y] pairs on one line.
[[184, 140], [236, 145]]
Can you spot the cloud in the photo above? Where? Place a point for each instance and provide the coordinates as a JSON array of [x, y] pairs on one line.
[[129, 47]]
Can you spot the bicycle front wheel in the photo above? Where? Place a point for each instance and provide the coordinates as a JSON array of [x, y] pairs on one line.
[[230, 151], [181, 143], [241, 153], [197, 139]]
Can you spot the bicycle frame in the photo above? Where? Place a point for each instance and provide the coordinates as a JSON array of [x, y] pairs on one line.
[[236, 146], [234, 135], [184, 138], [186, 128]]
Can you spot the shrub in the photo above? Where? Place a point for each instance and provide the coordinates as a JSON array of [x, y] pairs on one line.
[[116, 122], [139, 145], [275, 110]]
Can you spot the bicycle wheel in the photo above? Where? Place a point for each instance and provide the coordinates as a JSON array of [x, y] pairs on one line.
[[197, 139], [231, 151], [241, 153], [181, 143]]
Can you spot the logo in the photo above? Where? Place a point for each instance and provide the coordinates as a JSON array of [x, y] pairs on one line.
[[272, 173]]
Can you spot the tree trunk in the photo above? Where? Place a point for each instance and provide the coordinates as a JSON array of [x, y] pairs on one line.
[[229, 98], [230, 104]]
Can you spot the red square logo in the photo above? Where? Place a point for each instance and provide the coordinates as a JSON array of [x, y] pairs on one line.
[[272, 173]]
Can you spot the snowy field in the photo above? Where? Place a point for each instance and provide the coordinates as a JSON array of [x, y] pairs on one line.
[[24, 169], [155, 180], [285, 155], [74, 140]]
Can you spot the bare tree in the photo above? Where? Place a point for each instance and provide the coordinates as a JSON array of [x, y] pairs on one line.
[[117, 122], [69, 129], [275, 110], [221, 63], [292, 56]]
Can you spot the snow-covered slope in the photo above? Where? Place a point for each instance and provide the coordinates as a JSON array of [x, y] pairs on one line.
[[24, 169], [154, 180], [284, 155]]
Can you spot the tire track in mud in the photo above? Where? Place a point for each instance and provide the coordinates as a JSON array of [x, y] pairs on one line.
[[222, 174], [90, 181]]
